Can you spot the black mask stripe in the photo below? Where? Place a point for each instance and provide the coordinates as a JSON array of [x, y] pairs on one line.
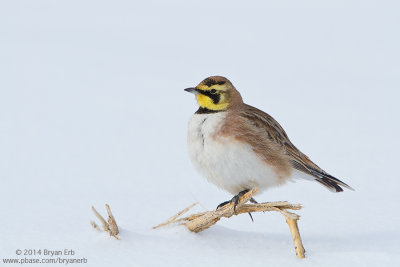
[[215, 97]]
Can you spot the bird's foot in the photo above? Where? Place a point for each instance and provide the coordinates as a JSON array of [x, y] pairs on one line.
[[235, 201]]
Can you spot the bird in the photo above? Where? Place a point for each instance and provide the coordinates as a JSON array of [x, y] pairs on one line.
[[238, 147]]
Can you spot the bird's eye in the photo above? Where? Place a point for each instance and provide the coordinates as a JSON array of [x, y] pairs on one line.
[[213, 91]]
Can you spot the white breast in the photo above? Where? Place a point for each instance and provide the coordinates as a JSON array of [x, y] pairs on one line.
[[224, 161]]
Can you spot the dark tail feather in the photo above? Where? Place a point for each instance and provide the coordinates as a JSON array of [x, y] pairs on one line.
[[329, 181]]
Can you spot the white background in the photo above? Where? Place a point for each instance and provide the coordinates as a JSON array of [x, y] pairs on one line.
[[92, 111]]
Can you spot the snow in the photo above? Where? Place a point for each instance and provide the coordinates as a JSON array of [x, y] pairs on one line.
[[92, 111]]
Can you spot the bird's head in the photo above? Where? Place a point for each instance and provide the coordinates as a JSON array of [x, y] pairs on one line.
[[216, 93]]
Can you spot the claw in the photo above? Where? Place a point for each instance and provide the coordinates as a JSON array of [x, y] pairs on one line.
[[223, 204], [252, 200], [251, 216]]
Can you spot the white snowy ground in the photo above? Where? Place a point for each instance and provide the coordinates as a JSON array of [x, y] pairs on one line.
[[92, 111]]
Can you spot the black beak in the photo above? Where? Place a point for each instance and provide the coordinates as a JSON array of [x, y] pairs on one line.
[[192, 90]]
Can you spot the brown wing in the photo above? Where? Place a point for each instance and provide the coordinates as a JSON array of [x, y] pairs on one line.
[[274, 131]]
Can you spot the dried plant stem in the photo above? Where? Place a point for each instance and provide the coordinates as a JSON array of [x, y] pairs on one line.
[[174, 218], [101, 219], [298, 244], [111, 226], [201, 221], [95, 226]]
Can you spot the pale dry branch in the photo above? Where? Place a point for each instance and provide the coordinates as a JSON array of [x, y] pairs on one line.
[[201, 221], [174, 218], [101, 219], [95, 226], [298, 244], [111, 226]]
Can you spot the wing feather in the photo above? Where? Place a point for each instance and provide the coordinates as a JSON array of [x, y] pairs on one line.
[[274, 131]]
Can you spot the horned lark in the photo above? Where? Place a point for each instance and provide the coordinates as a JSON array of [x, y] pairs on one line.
[[238, 147]]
